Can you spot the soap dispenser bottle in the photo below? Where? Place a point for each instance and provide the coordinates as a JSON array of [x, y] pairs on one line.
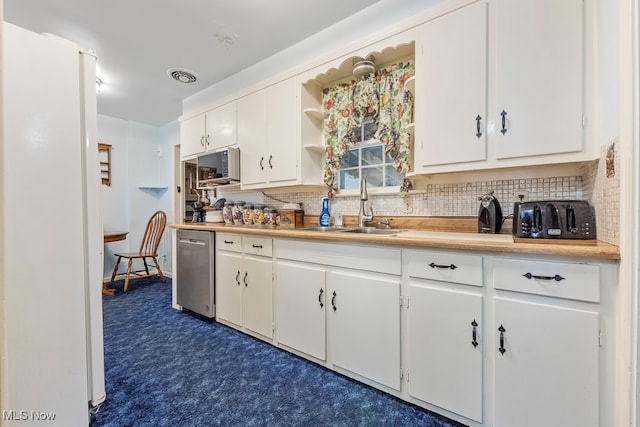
[[325, 215]]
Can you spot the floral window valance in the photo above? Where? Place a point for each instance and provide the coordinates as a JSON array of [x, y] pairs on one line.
[[381, 95]]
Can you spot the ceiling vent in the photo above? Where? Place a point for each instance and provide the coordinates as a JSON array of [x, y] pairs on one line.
[[182, 75]]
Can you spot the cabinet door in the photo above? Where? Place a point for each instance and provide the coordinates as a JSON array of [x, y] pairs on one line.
[[192, 136], [282, 146], [539, 66], [251, 138], [365, 324], [548, 374], [445, 342], [221, 126], [228, 287], [257, 299], [452, 79], [301, 303]]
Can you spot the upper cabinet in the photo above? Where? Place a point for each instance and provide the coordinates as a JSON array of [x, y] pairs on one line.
[[267, 135], [451, 87], [209, 131], [269, 122], [539, 77], [502, 84]]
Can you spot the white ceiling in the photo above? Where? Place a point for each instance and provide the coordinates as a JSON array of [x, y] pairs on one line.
[[137, 41]]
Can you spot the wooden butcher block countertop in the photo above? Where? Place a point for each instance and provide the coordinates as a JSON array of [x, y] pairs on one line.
[[432, 235]]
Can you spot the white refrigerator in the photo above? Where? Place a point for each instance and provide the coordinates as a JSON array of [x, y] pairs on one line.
[[51, 329]]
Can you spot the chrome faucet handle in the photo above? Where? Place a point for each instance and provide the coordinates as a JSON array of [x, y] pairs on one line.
[[386, 222]]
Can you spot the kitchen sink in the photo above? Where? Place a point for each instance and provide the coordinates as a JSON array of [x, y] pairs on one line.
[[371, 230], [326, 229]]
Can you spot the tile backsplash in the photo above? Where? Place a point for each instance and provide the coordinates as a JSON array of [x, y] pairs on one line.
[[461, 199]]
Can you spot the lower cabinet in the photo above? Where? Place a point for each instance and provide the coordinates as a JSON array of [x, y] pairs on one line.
[[547, 342], [244, 282], [301, 304], [229, 287], [364, 324], [446, 344], [546, 365], [257, 297]]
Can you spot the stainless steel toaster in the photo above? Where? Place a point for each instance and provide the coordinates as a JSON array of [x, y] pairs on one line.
[[554, 219]]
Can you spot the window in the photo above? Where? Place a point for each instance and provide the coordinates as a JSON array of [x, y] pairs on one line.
[[367, 159]]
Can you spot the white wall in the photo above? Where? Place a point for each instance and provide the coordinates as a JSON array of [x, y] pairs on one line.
[[140, 157]]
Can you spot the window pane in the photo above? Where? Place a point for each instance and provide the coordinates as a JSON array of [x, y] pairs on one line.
[[349, 179], [350, 159], [372, 155], [373, 175], [393, 177]]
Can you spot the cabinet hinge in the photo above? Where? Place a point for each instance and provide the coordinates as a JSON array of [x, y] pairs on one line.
[[584, 121], [600, 339], [404, 374]]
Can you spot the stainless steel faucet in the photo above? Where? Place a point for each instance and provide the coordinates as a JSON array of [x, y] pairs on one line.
[[364, 196]]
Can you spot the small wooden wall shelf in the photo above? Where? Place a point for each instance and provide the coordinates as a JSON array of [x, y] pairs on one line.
[[104, 151]]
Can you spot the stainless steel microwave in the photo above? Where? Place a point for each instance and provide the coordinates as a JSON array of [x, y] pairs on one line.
[[219, 167]]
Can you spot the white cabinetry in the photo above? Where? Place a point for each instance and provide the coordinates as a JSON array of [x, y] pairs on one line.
[[267, 135], [244, 285], [208, 131], [301, 305], [547, 351], [451, 88], [360, 301], [228, 270], [548, 373], [365, 325], [534, 89], [446, 331], [539, 77], [192, 136]]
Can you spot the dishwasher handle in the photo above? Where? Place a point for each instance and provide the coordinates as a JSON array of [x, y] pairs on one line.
[[192, 241]]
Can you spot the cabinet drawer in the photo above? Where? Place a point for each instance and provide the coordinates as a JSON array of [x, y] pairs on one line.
[[561, 280], [446, 267], [257, 246], [229, 242]]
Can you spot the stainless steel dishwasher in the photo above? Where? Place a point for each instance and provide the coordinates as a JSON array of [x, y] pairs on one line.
[[195, 275]]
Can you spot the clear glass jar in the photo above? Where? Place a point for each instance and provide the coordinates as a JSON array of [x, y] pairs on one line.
[[227, 212], [238, 213], [247, 214], [268, 216], [258, 214]]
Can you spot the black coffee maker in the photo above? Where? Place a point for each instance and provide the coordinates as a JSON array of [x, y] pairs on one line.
[[489, 214]]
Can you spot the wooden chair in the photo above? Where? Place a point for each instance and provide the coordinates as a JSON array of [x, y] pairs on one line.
[[148, 249]]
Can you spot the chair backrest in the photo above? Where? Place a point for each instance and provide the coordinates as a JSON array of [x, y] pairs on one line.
[[153, 233]]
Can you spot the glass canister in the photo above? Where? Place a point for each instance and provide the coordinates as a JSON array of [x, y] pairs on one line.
[[227, 212], [238, 213], [268, 216], [247, 214], [258, 214]]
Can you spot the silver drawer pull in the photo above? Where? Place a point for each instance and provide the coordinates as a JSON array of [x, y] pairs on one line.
[[450, 266], [557, 277]]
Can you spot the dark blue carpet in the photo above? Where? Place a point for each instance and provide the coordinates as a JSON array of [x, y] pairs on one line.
[[169, 368]]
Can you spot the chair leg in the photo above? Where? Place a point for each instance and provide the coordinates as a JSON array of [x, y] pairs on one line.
[[159, 270], [146, 267], [115, 269], [126, 279]]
